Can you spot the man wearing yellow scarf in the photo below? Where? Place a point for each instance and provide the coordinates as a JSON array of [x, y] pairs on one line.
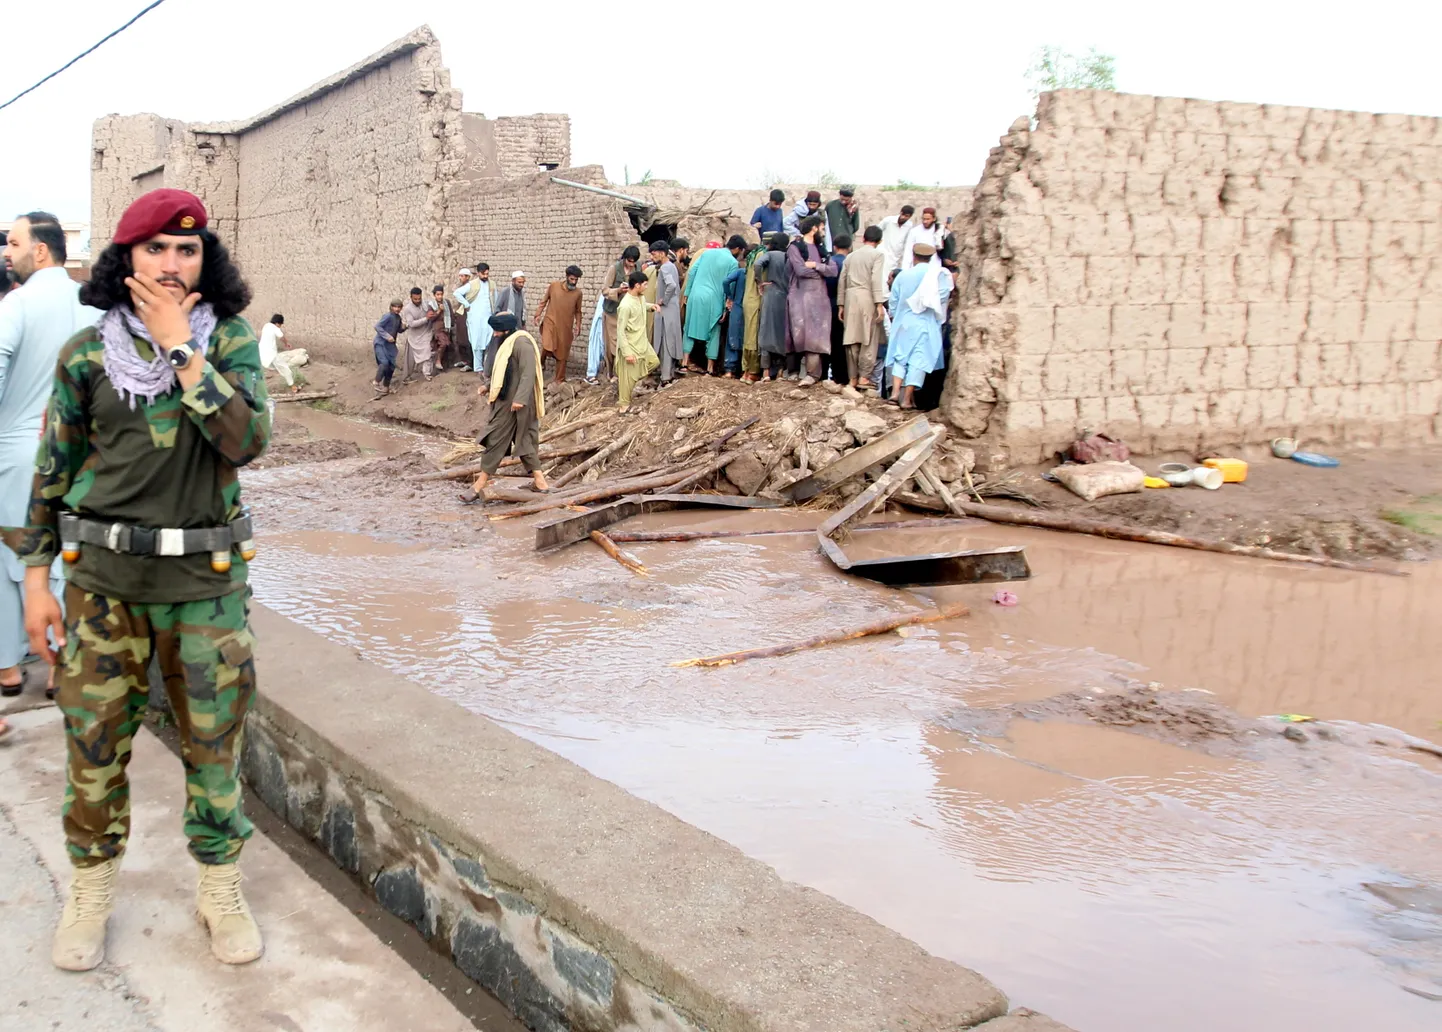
[[517, 403]]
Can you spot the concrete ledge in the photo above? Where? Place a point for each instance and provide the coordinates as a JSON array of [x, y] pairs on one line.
[[577, 904]]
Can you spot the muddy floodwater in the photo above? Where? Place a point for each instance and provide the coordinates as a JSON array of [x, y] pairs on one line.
[[1119, 882]]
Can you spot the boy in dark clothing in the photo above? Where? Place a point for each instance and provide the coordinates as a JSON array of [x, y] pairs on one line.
[[385, 347]]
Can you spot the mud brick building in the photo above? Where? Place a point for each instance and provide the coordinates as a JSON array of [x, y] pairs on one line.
[[1188, 273], [370, 182], [1183, 273]]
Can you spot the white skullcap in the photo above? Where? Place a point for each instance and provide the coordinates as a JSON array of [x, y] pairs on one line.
[[517, 274], [465, 272]]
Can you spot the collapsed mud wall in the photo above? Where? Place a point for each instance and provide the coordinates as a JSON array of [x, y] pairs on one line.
[[1189, 273]]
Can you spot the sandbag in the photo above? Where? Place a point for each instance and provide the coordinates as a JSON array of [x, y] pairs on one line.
[[1099, 479]]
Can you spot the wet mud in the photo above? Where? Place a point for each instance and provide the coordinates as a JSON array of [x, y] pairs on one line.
[[1087, 797]]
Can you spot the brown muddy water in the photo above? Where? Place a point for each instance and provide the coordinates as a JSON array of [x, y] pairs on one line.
[[1118, 882]]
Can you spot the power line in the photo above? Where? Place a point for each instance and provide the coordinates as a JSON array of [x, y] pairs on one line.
[[77, 57]]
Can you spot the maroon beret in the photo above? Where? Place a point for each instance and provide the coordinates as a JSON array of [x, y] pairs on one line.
[[813, 195], [160, 211]]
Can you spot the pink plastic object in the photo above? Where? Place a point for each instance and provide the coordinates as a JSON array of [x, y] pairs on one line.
[[1004, 598]]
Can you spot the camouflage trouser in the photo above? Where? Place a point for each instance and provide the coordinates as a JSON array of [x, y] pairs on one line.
[[204, 654]]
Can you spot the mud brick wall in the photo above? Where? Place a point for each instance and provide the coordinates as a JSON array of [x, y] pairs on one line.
[[525, 143], [533, 225], [341, 198], [1187, 273]]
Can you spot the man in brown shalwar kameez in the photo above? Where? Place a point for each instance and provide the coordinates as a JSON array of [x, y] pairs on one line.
[[517, 403], [559, 316]]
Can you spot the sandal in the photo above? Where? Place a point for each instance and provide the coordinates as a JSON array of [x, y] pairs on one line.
[[10, 691]]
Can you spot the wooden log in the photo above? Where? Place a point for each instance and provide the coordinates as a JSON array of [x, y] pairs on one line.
[[280, 399], [919, 502], [951, 612], [717, 444], [580, 424], [546, 455], [1079, 525], [596, 494], [595, 460], [626, 559], [639, 536], [711, 467], [886, 485]]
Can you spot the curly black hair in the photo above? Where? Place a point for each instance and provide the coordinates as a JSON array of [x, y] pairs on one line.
[[220, 281]]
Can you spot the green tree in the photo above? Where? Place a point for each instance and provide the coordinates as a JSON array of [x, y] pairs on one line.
[[1054, 69]]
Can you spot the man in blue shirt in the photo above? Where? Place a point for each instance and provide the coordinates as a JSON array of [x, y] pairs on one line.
[[767, 218]]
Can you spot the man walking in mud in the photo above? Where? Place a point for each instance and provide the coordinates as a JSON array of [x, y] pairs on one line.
[[517, 403], [153, 411]]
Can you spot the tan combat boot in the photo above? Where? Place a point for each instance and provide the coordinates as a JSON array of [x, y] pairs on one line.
[[80, 937], [234, 936]]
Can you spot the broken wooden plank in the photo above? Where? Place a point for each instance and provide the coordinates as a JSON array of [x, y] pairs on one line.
[[854, 463], [951, 612], [567, 530], [875, 496], [639, 536], [971, 566]]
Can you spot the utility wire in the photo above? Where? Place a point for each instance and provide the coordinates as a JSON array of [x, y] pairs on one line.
[[77, 57]]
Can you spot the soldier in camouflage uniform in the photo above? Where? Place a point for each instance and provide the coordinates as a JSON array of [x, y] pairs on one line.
[[154, 410]]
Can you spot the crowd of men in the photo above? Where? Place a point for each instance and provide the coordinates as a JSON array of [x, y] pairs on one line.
[[818, 297]]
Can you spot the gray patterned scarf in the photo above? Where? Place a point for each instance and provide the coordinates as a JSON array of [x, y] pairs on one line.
[[132, 375]]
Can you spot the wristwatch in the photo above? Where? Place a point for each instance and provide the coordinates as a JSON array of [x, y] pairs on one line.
[[180, 355]]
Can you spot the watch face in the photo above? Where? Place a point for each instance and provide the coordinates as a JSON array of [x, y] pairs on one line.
[[179, 356]]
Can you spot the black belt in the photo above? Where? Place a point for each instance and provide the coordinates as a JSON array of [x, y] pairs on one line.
[[129, 539]]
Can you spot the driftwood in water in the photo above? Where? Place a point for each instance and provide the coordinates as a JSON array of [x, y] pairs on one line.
[[580, 424], [626, 559], [595, 460], [1078, 525], [882, 627]]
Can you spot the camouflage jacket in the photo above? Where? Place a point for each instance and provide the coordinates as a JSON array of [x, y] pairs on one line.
[[170, 463]]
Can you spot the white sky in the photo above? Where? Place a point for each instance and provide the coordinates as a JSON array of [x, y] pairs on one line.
[[735, 104]]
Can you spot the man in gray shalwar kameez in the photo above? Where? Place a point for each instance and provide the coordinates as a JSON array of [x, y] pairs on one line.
[[669, 342], [517, 403]]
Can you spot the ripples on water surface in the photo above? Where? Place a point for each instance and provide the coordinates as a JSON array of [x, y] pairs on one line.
[[1121, 884]]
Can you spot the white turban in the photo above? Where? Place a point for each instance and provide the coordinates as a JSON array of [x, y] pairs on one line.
[[464, 272], [517, 274]]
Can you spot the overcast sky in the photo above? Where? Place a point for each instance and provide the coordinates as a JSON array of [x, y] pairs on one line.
[[712, 94]]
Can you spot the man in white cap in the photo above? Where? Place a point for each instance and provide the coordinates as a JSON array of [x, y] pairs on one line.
[[511, 298]]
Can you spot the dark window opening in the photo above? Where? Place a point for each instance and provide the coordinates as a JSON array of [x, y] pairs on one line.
[[660, 231]]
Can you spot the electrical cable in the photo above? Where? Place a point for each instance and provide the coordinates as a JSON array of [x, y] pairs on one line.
[[77, 57]]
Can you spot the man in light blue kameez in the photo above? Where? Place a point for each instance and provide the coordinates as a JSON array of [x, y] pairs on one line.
[[36, 319], [918, 305], [475, 298]]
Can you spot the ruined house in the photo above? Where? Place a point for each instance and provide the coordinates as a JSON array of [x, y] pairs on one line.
[[1184, 273]]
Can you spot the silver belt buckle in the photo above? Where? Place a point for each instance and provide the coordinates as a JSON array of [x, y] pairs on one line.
[[171, 541]]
